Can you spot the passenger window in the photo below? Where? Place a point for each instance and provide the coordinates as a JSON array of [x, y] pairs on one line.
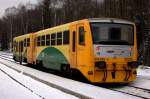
[[81, 36], [38, 40], [25, 42], [74, 41], [66, 37], [28, 41], [48, 40], [21, 45], [17, 47], [59, 38], [43, 40], [53, 39]]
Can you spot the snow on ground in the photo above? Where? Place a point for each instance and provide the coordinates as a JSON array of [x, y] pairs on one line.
[[9, 89], [143, 77], [12, 90], [144, 71], [75, 86]]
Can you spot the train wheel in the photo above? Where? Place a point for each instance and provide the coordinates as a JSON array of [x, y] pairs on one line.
[[65, 69], [14, 58], [39, 64], [20, 60]]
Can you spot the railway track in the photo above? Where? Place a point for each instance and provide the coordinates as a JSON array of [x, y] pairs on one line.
[[135, 91], [5, 57], [9, 57], [129, 89]]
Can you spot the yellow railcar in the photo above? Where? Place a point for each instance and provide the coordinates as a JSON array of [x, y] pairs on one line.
[[103, 50]]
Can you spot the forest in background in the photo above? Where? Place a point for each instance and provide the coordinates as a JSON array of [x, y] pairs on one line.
[[30, 18]]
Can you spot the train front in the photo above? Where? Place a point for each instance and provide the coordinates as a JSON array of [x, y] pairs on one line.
[[115, 51]]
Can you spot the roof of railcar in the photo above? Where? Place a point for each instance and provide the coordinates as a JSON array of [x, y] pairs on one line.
[[22, 36], [110, 20], [60, 26], [107, 20], [103, 20]]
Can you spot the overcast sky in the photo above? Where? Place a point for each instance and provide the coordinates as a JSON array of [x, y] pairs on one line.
[[9, 3]]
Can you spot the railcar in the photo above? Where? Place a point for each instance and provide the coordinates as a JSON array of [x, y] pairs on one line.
[[103, 50]]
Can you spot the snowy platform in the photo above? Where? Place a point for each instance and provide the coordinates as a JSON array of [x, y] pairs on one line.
[[14, 85]]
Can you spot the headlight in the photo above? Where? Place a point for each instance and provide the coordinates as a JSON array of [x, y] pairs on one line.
[[100, 64]]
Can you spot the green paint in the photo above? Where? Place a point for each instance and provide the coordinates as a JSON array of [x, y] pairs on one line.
[[52, 58]]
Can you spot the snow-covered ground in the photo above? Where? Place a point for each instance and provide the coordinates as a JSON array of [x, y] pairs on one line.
[[14, 85], [144, 71], [9, 89], [143, 77]]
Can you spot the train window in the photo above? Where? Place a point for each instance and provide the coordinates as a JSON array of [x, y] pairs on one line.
[[48, 40], [59, 35], [74, 41], [53, 39], [28, 41], [81, 36], [66, 37], [21, 46], [59, 38], [25, 42], [38, 40], [16, 46], [43, 40], [53, 36]]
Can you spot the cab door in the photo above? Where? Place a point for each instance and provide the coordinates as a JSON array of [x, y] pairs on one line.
[[82, 51], [78, 50]]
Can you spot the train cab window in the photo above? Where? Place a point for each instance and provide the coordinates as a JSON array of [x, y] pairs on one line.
[[25, 42], [59, 38], [38, 40], [53, 39], [48, 40], [28, 42], [43, 40], [81, 36], [66, 37]]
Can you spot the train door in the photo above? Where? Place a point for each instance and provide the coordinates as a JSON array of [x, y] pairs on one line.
[[77, 46], [81, 46], [73, 41], [31, 48], [29, 52], [34, 49], [20, 51]]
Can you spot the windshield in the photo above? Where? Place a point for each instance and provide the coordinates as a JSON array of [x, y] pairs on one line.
[[112, 33]]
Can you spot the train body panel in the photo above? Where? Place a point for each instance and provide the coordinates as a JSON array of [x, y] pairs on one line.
[[103, 50], [53, 57], [20, 48]]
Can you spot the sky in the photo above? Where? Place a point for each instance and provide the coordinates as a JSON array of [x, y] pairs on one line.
[[4, 4]]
